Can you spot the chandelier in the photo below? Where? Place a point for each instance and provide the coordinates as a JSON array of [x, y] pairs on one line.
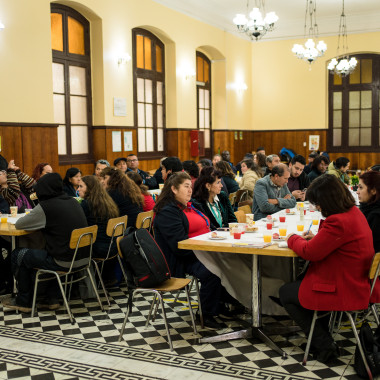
[[257, 25], [345, 65], [310, 51]]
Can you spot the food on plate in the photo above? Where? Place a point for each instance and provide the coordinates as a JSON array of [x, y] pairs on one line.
[[214, 234], [269, 216], [276, 235], [287, 211], [251, 228]]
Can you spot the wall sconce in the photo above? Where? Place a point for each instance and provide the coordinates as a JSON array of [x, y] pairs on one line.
[[186, 72], [1, 26], [238, 86], [123, 59]]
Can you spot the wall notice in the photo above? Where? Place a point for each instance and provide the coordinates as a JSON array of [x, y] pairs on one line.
[[313, 142]]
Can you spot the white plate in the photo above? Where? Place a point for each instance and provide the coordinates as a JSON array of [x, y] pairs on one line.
[[217, 238], [252, 232], [291, 213]]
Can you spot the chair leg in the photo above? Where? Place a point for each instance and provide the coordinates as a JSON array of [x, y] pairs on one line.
[[102, 283], [309, 338], [359, 345], [154, 300], [177, 296], [122, 269], [199, 301], [332, 321], [125, 319], [71, 316], [375, 314], [155, 311], [190, 309], [95, 290], [165, 320], [35, 294]]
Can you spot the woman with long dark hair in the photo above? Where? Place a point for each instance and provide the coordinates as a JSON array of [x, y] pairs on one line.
[[125, 193], [71, 181], [228, 176], [148, 200]]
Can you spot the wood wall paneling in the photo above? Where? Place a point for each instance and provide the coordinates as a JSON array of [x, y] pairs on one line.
[[11, 144]]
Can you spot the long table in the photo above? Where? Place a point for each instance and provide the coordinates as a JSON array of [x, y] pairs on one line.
[[7, 229]]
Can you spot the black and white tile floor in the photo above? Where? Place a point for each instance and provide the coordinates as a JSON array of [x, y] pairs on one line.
[[49, 347]]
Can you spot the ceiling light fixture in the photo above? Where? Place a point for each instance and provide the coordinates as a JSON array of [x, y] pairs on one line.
[[256, 26], [344, 65], [310, 52]]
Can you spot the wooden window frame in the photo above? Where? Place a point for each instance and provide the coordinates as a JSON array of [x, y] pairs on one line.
[[345, 88], [208, 152], [69, 59], [155, 77]]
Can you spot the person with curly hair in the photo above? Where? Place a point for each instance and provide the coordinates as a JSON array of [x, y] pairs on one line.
[[40, 170]]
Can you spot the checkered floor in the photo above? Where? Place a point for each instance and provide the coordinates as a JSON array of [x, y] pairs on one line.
[[97, 332]]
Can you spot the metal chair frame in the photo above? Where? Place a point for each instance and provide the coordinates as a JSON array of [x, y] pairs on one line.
[[142, 217]]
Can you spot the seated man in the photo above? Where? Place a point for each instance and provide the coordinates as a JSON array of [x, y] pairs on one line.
[[271, 161], [121, 163], [310, 159], [298, 180], [133, 165], [227, 157], [272, 194], [57, 215]]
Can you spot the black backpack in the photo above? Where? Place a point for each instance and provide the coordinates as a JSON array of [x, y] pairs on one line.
[[144, 262]]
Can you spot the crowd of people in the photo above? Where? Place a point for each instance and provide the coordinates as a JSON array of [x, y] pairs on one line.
[[194, 200]]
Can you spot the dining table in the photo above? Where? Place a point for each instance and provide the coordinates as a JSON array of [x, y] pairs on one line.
[[9, 229], [252, 244]]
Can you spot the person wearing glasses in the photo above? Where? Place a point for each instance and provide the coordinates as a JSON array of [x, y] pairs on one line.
[[133, 165]]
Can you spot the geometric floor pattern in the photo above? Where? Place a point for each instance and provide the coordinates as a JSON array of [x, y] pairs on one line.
[[48, 346]]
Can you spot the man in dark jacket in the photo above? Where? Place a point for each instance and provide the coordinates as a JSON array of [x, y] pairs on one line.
[[56, 215], [298, 181], [133, 165]]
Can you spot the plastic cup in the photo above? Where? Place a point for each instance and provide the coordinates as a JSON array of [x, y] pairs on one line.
[[282, 218], [300, 226], [282, 230], [249, 218], [237, 232], [267, 238], [160, 186], [315, 222], [231, 226], [13, 211], [299, 205], [28, 210], [4, 219], [269, 225]]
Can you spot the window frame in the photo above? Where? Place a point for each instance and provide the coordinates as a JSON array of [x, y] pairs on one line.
[[154, 76], [70, 59], [345, 88]]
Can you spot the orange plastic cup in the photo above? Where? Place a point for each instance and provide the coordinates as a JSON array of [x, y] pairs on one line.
[[267, 238], [315, 222], [282, 231], [300, 227], [4, 219]]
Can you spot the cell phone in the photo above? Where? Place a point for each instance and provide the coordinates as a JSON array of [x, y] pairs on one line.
[[223, 229]]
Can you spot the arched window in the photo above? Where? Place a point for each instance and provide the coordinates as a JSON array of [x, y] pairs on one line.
[[149, 93], [70, 43], [204, 100], [354, 107]]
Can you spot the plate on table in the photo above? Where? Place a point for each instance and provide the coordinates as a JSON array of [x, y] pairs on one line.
[[217, 237], [251, 230]]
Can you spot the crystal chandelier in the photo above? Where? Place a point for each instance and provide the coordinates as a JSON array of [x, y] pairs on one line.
[[345, 65], [256, 26], [310, 52]]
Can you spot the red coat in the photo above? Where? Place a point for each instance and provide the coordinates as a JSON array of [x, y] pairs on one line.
[[148, 203], [341, 255]]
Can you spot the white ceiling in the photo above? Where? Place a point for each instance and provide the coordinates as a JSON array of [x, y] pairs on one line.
[[362, 15]]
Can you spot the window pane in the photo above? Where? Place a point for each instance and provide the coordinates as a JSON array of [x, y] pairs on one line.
[[148, 91], [59, 109], [56, 31], [141, 138], [207, 138], [337, 121], [140, 90], [200, 69], [366, 118], [207, 99], [77, 80], [337, 80], [354, 119], [355, 76], [201, 118], [337, 100], [201, 95], [206, 71], [62, 139], [141, 115], [337, 137], [365, 137], [158, 59], [366, 99], [159, 92], [58, 78], [79, 139], [366, 70], [149, 115], [160, 139], [160, 119], [149, 140], [354, 102], [207, 118], [148, 53], [78, 106], [353, 137], [76, 36], [140, 51]]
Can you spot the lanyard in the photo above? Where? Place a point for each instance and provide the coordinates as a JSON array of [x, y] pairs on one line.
[[214, 206], [191, 207]]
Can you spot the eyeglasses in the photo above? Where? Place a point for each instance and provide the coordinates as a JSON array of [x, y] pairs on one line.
[[134, 160]]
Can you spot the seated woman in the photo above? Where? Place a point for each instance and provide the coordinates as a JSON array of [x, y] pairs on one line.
[[148, 200], [40, 170], [318, 167], [98, 207], [213, 202], [125, 193], [228, 176], [192, 169], [340, 256], [251, 174], [177, 219], [71, 182]]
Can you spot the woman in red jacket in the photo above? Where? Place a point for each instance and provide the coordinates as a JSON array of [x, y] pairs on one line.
[[340, 256]]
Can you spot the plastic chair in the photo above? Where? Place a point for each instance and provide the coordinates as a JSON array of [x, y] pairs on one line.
[[81, 237], [171, 285], [144, 220], [115, 227], [373, 275], [240, 216]]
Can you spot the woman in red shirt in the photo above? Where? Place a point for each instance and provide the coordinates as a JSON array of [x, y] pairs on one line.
[[148, 200], [176, 219], [340, 256]]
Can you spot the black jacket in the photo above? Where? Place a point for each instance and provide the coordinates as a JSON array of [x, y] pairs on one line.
[[4, 206], [314, 174], [126, 207], [231, 184], [372, 213], [304, 181], [224, 204], [151, 182]]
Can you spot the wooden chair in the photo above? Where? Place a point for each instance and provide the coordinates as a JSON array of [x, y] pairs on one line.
[[144, 220], [246, 209], [171, 285], [240, 216], [373, 275], [232, 198], [115, 227], [81, 237], [241, 195]]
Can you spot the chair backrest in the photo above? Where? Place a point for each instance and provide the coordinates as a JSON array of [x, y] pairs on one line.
[[118, 246], [144, 219], [241, 195], [82, 237], [246, 209], [374, 270], [232, 198], [117, 226], [240, 216]]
